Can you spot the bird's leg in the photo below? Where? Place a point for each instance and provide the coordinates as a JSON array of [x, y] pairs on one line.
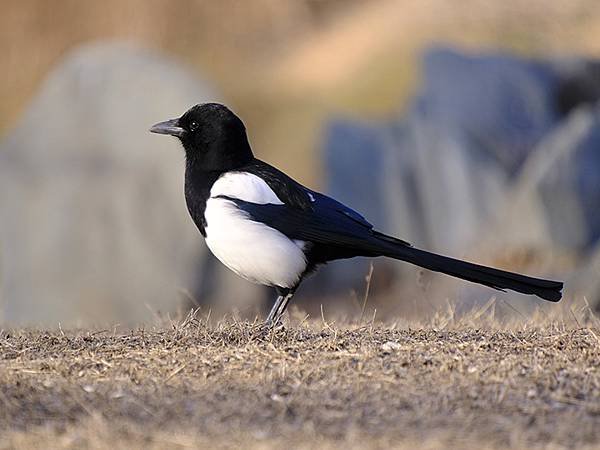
[[274, 310], [282, 307], [283, 298]]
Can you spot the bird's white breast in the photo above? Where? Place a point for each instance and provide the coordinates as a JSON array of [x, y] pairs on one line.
[[251, 249]]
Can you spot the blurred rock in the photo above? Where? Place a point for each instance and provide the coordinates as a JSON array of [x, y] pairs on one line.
[[94, 225], [585, 282], [579, 85], [345, 158], [499, 106], [551, 216], [553, 202], [484, 133], [570, 188]]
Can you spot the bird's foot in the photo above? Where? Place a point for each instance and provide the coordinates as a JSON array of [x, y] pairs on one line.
[[268, 328]]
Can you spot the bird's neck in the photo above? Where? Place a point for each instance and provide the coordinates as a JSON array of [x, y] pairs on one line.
[[223, 154], [198, 183], [199, 179]]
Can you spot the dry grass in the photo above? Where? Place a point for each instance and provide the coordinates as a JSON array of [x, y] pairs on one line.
[[445, 383]]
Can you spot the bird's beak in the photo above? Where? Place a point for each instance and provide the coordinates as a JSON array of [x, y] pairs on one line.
[[168, 127]]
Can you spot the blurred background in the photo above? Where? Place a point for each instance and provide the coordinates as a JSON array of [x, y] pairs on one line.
[[471, 130]]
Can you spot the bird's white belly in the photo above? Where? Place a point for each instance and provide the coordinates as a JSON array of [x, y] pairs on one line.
[[251, 249]]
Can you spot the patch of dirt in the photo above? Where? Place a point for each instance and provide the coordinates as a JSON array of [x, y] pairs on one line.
[[193, 384]]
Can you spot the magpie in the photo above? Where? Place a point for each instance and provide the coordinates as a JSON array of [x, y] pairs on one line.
[[271, 230]]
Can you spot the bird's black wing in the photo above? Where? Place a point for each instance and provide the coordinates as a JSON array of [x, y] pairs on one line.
[[327, 222], [297, 196], [287, 189]]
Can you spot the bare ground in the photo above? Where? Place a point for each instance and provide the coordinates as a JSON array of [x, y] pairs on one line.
[[190, 384]]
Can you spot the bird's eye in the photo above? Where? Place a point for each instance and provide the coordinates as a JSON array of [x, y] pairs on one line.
[[193, 126]]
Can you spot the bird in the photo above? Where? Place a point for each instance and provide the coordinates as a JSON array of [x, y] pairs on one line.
[[271, 230]]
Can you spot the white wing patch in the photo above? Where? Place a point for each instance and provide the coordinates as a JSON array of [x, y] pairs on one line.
[[244, 186]]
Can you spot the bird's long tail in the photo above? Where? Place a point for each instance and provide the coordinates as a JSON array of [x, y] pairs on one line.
[[488, 276]]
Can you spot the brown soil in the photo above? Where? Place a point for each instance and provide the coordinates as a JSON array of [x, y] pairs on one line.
[[191, 385]]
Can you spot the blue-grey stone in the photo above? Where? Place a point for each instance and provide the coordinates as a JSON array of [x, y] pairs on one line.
[[94, 225]]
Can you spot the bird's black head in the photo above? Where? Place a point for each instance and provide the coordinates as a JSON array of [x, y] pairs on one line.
[[213, 137]]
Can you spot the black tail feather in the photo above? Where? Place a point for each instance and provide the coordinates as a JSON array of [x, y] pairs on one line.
[[488, 276]]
